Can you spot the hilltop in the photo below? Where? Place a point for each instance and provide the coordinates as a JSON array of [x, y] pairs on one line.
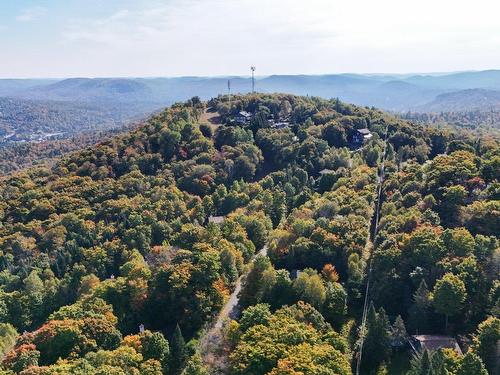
[[38, 111], [122, 255]]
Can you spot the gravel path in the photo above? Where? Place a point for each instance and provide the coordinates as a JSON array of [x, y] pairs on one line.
[[211, 343]]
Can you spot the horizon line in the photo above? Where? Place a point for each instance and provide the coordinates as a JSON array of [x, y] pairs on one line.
[[229, 76]]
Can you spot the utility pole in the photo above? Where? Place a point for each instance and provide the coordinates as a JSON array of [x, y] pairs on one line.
[[229, 90], [252, 68]]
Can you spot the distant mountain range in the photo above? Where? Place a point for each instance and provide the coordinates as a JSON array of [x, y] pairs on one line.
[[442, 92], [37, 108]]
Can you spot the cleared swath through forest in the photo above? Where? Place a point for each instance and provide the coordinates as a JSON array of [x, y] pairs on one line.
[[376, 218]]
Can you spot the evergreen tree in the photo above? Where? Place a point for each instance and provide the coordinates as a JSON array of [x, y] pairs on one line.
[[419, 311], [377, 341], [438, 362], [178, 352], [471, 364], [421, 364], [398, 332], [485, 342]]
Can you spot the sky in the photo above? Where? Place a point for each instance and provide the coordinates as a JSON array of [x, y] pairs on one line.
[[126, 38]]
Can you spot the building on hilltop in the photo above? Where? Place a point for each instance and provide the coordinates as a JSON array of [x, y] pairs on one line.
[[361, 136], [243, 117]]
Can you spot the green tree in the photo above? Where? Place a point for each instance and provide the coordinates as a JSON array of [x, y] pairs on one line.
[[8, 335], [471, 364], [376, 347], [485, 341], [281, 292], [155, 346], [453, 199], [253, 315], [428, 363], [244, 168], [206, 130], [421, 364], [399, 336], [459, 241], [335, 306], [194, 366], [449, 295], [373, 156], [419, 311], [309, 287], [291, 343], [424, 248], [335, 134], [178, 352], [254, 288]]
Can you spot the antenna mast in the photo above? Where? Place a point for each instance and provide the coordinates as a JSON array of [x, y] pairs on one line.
[[229, 89], [252, 68]]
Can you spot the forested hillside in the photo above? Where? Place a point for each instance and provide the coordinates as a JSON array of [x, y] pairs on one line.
[[117, 259], [480, 122], [24, 120], [15, 156]]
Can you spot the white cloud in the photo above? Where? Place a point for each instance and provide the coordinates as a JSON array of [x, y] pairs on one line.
[[290, 36], [31, 14], [183, 34], [224, 37]]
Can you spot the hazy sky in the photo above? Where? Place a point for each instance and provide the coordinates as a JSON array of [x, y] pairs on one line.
[[68, 38]]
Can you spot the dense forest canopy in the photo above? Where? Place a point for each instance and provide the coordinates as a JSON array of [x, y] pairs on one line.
[[15, 156], [117, 258], [24, 120]]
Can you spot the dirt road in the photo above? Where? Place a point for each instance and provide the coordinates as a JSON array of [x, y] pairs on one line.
[[212, 346]]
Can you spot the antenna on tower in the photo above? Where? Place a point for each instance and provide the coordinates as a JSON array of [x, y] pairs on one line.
[[252, 68]]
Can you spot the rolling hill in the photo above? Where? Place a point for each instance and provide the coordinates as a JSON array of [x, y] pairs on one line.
[[391, 92], [463, 100]]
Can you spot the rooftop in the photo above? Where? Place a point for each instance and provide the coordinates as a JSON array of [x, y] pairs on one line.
[[434, 342], [282, 124], [216, 219], [325, 171], [364, 131]]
